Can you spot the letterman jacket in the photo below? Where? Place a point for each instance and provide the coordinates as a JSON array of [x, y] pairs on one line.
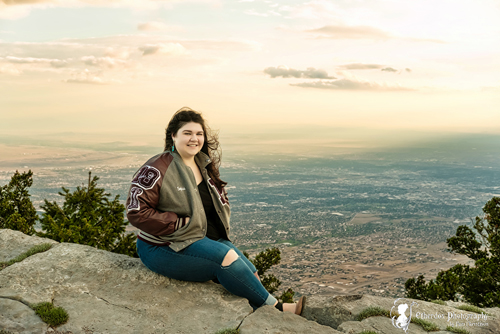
[[165, 205]]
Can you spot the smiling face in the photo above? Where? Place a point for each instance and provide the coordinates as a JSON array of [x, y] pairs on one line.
[[189, 140]]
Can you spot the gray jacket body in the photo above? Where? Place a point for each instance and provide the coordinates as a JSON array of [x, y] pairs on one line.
[[165, 205]]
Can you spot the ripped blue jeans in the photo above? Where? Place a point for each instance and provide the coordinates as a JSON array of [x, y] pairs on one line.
[[201, 262]]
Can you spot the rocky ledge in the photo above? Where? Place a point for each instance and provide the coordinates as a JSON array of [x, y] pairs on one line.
[[104, 292]]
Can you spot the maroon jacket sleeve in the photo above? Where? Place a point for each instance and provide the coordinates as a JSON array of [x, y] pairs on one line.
[[143, 199]]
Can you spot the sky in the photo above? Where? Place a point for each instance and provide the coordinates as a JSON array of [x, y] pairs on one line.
[[291, 71]]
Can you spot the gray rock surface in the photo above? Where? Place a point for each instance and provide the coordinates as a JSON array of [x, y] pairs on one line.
[[16, 317], [377, 325], [329, 311], [15, 243], [113, 293], [341, 311], [107, 293], [268, 320]]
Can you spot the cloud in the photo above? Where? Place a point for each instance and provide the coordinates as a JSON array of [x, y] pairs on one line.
[[121, 53], [285, 72], [493, 89], [173, 49], [314, 10], [389, 69], [350, 84], [155, 26], [23, 2], [266, 14], [428, 40], [223, 44], [350, 32], [341, 31], [13, 12], [16, 9], [103, 61], [360, 66], [87, 77], [30, 60], [9, 69]]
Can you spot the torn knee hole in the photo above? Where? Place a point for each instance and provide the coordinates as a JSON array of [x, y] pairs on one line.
[[230, 257]]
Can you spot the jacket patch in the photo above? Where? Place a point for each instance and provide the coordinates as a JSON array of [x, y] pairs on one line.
[[147, 177], [134, 199], [181, 188], [221, 198]]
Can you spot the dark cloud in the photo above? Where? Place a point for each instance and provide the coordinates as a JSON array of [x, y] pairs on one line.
[[360, 66], [348, 84], [389, 69], [309, 73], [350, 32]]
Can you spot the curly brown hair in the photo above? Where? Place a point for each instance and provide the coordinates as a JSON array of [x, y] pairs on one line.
[[210, 145]]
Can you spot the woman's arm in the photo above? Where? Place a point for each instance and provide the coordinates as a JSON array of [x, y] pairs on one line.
[[142, 201]]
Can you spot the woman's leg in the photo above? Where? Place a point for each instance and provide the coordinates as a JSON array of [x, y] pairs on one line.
[[205, 260], [287, 307], [241, 255]]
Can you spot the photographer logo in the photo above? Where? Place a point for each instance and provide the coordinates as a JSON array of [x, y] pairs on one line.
[[401, 313]]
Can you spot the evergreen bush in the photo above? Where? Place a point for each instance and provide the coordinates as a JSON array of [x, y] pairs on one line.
[[16, 209], [88, 217], [263, 262], [479, 285]]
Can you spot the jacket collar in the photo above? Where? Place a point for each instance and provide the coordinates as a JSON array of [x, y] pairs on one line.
[[201, 159]]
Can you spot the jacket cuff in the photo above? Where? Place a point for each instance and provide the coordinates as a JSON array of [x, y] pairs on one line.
[[181, 222]]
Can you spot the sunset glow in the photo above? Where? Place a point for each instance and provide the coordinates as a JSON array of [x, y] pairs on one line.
[[117, 70]]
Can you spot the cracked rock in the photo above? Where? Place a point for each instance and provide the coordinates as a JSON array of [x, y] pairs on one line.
[[113, 293], [16, 317], [268, 320], [15, 243]]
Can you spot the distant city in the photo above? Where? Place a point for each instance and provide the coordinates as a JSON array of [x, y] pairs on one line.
[[347, 224]]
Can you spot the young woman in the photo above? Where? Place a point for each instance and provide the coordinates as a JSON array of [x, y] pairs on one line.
[[178, 202]]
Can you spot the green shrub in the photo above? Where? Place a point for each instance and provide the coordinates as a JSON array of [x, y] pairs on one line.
[[368, 332], [32, 251], [53, 316], [263, 262], [470, 308], [2, 331], [372, 311], [287, 296], [426, 325], [16, 209], [477, 284], [88, 217], [457, 330], [228, 331]]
